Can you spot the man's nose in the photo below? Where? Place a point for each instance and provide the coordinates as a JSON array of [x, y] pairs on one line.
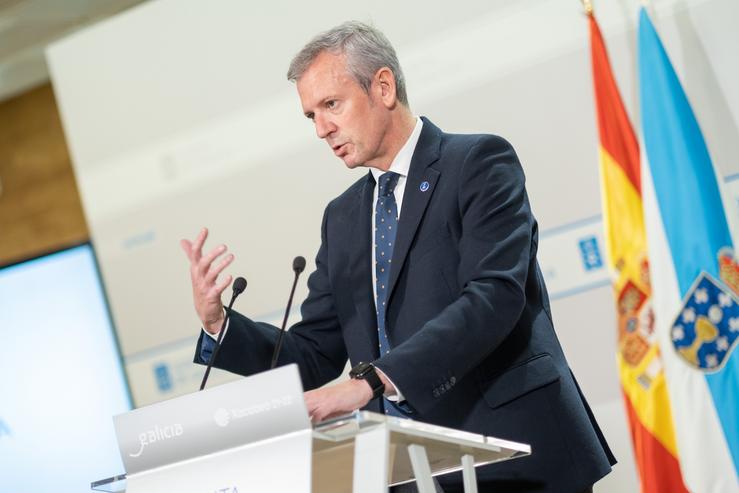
[[324, 126]]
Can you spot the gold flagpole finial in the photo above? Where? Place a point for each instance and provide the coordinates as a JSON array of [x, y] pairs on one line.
[[588, 6]]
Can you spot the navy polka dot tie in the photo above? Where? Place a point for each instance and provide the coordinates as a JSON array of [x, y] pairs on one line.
[[386, 226]]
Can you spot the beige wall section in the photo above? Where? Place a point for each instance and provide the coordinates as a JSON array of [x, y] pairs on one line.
[[40, 207]]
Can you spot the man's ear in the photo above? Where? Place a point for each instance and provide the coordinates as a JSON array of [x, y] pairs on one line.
[[385, 81]]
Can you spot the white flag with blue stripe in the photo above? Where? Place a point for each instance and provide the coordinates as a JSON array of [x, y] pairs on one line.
[[695, 278]]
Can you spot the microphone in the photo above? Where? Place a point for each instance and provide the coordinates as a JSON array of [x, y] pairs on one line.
[[298, 267], [238, 287]]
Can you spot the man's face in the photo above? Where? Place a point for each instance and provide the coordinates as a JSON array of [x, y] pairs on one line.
[[352, 122]]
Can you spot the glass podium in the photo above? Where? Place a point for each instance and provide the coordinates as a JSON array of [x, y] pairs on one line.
[[356, 452]]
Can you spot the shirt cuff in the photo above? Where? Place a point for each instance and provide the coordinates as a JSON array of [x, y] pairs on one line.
[[225, 329], [398, 396], [209, 343]]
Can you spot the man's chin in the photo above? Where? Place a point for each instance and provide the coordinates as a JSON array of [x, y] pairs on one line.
[[350, 163]]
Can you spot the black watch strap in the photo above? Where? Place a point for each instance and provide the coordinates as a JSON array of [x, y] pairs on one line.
[[367, 371]]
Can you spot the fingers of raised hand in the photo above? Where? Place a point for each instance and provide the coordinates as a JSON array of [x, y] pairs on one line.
[[221, 286], [186, 247], [197, 245], [203, 265], [193, 249], [212, 274]]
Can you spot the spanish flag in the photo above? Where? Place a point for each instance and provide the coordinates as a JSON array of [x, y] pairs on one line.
[[639, 360]]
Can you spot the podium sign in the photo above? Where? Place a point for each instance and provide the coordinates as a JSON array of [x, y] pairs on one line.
[[226, 438]]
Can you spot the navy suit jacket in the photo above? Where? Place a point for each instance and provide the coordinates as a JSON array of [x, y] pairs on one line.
[[468, 315]]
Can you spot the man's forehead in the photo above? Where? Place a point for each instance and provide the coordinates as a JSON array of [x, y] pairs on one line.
[[324, 77], [326, 65]]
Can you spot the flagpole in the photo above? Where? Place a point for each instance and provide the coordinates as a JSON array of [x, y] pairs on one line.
[[588, 6]]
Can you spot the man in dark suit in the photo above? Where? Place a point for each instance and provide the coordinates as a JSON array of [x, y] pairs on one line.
[[426, 280]]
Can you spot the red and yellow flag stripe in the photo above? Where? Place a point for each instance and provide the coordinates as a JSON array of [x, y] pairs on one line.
[[639, 362]]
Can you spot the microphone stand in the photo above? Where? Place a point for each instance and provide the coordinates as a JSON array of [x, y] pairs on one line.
[[238, 287], [298, 266]]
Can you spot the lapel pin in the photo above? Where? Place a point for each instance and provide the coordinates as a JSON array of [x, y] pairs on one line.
[[424, 186]]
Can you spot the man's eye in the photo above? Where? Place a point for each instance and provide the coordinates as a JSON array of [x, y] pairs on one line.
[[330, 104]]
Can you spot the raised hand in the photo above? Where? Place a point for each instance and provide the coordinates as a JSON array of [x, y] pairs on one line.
[[206, 290]]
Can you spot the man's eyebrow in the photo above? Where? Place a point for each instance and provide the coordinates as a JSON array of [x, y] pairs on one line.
[[311, 114]]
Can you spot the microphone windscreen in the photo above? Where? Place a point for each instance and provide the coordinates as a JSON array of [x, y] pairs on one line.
[[298, 264], [239, 285]]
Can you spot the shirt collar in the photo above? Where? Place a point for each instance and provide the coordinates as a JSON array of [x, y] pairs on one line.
[[402, 162]]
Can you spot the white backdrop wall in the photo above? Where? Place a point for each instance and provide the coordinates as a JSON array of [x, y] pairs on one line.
[[178, 115]]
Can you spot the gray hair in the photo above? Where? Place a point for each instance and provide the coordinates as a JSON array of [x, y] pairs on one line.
[[367, 50]]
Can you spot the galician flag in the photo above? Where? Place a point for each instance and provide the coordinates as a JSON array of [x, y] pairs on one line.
[[639, 360], [694, 272]]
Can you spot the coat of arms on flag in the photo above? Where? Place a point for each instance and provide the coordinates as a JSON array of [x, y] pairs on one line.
[[707, 328], [636, 320]]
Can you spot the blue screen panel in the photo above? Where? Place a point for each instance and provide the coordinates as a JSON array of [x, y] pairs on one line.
[[61, 378]]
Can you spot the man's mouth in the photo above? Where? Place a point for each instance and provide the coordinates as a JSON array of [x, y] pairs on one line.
[[339, 149]]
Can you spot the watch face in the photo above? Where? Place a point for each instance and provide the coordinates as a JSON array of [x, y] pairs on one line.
[[360, 370], [366, 372]]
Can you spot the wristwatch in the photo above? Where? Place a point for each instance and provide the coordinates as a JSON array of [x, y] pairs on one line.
[[366, 371]]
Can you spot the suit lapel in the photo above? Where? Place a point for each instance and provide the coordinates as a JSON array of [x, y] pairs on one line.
[[360, 266], [419, 187]]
